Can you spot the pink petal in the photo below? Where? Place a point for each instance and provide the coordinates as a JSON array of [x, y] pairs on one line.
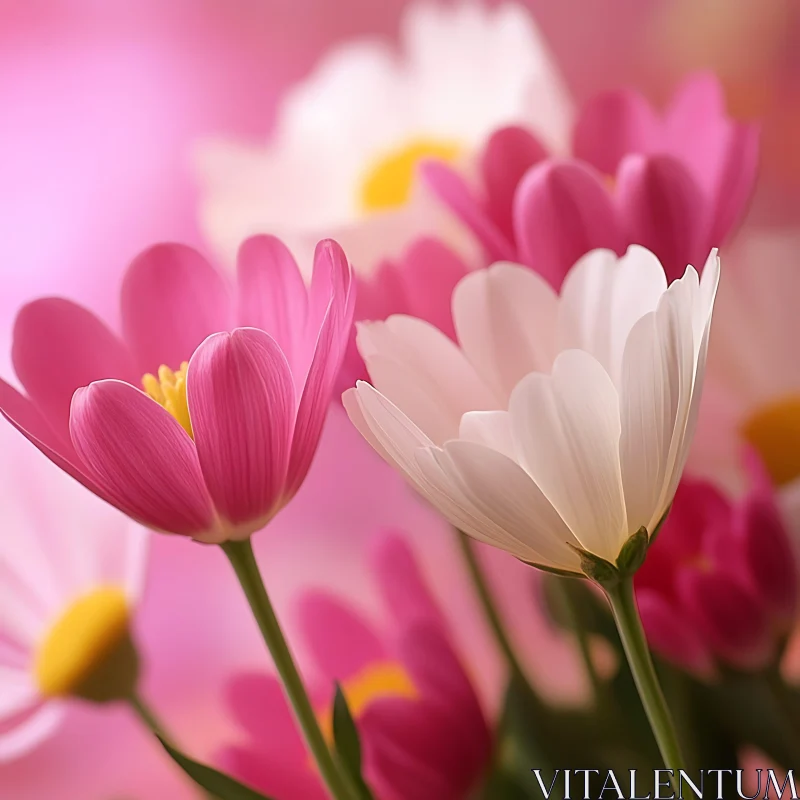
[[561, 212], [509, 154], [259, 705], [401, 582], [141, 458], [453, 191], [613, 125], [172, 298], [728, 617], [59, 346], [340, 641], [670, 636], [329, 348], [271, 292], [241, 402], [661, 208]]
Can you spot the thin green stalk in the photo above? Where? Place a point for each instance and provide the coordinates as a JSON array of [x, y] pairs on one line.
[[488, 604], [147, 716], [629, 624], [243, 561], [581, 637]]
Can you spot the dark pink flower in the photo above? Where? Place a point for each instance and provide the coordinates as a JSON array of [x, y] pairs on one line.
[[720, 585], [232, 420], [423, 734], [676, 183]]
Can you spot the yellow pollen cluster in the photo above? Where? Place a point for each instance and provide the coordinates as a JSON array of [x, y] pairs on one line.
[[80, 641], [774, 431], [384, 679], [388, 183], [169, 391]]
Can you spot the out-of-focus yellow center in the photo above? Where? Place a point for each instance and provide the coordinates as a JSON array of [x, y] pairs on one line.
[[80, 641], [389, 181], [384, 679], [774, 431], [169, 391]]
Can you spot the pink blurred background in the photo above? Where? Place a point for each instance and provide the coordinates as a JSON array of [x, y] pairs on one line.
[[101, 104]]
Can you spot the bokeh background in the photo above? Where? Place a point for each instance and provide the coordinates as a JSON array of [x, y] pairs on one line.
[[101, 105]]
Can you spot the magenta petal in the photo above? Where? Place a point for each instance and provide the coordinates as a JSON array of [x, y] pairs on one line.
[[241, 403], [613, 125], [401, 582], [453, 191], [259, 705], [271, 293], [670, 636], [340, 641], [509, 154], [59, 346], [728, 616], [172, 298], [141, 458], [332, 272], [661, 208], [562, 211]]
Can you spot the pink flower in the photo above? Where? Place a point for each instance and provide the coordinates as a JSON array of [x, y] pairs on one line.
[[720, 585], [423, 734], [223, 442], [676, 184]]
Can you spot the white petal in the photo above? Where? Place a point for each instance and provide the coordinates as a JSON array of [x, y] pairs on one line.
[[567, 430], [505, 493], [602, 298], [505, 319], [423, 373], [32, 730], [490, 428], [17, 691]]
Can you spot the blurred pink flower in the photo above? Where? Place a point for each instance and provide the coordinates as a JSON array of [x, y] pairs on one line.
[[679, 183], [423, 734], [223, 443], [720, 585]]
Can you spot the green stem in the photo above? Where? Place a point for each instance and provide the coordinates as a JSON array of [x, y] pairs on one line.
[[581, 636], [629, 624], [243, 561], [147, 716], [488, 604]]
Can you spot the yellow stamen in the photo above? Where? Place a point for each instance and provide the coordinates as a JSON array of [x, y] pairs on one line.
[[169, 391], [384, 679], [81, 642], [388, 183], [774, 431]]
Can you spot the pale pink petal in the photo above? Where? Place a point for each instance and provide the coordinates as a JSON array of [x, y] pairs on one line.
[[17, 691], [662, 208], [613, 125], [508, 155], [141, 458], [31, 732], [341, 642], [172, 298], [59, 346], [568, 428], [331, 270], [505, 318], [242, 406], [453, 191], [489, 428], [271, 293], [562, 211], [423, 373]]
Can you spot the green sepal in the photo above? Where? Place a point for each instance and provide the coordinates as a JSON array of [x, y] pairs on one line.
[[597, 569], [218, 784], [633, 553], [347, 743]]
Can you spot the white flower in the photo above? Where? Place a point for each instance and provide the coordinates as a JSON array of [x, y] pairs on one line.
[[71, 571], [555, 423], [343, 157]]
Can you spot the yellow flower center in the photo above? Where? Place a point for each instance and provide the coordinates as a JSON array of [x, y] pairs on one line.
[[389, 181], [384, 679], [774, 431], [169, 391], [81, 642]]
